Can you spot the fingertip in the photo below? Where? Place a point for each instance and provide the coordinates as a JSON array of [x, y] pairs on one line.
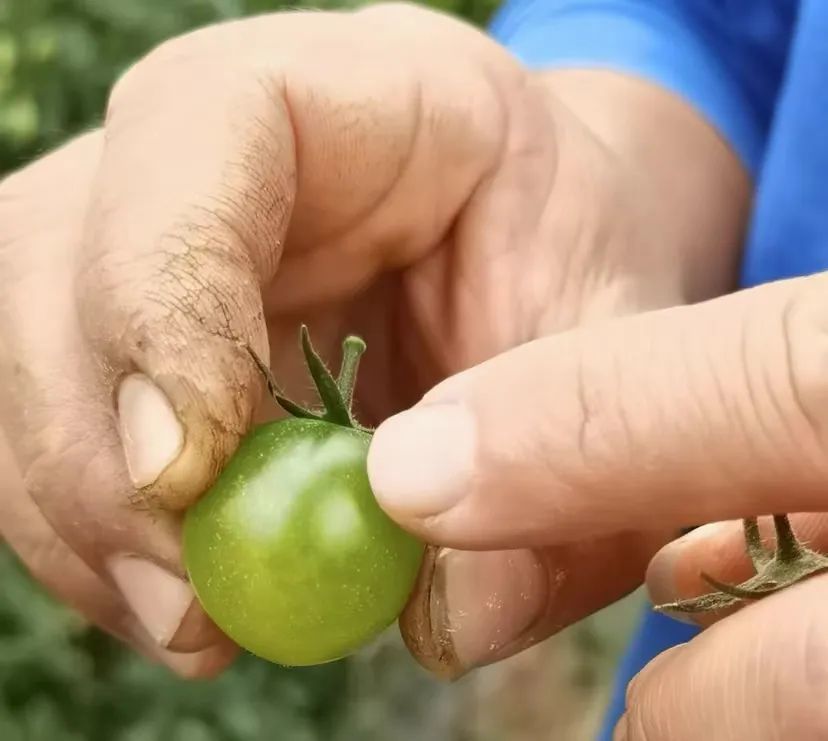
[[206, 664], [421, 462], [660, 576], [667, 572], [159, 599]]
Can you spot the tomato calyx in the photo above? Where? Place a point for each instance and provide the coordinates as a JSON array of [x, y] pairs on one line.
[[336, 394], [789, 563]]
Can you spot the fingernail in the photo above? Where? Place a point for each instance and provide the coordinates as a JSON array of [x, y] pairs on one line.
[[151, 434], [485, 602], [206, 664], [661, 573], [159, 599], [661, 585], [620, 732], [420, 462]]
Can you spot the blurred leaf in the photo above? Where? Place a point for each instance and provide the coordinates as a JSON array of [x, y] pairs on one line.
[[19, 123]]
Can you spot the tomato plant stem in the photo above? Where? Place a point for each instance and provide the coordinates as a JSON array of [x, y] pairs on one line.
[[790, 562], [788, 547], [336, 395], [352, 349]]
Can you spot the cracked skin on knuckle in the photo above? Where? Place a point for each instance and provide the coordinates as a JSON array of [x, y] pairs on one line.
[[186, 336]]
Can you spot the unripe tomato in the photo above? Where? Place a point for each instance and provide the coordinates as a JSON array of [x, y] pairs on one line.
[[289, 552]]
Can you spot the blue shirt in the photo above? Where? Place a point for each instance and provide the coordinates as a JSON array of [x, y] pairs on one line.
[[758, 71]]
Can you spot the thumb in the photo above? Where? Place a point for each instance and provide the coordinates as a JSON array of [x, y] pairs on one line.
[[759, 675], [169, 290], [665, 419]]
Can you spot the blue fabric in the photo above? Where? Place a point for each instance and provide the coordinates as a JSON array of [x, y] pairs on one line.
[[727, 57], [758, 71], [656, 633]]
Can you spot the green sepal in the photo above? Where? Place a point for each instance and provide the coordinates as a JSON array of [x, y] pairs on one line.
[[336, 394], [336, 410], [276, 394]]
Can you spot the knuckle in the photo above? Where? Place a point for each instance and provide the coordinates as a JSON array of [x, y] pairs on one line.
[[204, 291]]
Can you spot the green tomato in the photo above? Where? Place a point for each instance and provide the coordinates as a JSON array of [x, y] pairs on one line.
[[289, 552]]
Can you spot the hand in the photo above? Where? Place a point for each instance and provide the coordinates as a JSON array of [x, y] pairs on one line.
[[310, 167], [759, 674], [578, 451]]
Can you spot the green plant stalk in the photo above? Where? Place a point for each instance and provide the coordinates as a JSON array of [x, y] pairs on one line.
[[790, 562]]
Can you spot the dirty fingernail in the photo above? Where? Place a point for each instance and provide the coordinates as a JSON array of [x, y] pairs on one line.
[[421, 461], [159, 599], [150, 431], [481, 605]]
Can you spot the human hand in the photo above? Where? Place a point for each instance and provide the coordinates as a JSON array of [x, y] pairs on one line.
[[758, 675], [578, 451], [250, 176]]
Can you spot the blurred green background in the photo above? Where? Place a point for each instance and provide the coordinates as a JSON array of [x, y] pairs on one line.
[[61, 680]]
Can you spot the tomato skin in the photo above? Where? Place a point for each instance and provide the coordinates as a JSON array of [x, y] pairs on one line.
[[289, 552]]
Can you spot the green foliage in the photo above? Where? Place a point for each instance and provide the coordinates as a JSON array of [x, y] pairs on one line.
[[61, 680]]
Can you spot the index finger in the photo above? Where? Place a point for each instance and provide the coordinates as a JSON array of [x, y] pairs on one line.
[[665, 419]]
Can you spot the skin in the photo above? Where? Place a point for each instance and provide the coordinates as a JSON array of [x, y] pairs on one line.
[[449, 209]]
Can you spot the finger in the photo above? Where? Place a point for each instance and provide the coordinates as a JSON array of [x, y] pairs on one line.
[[51, 561], [758, 675], [59, 570], [59, 421], [474, 608], [687, 415], [718, 549]]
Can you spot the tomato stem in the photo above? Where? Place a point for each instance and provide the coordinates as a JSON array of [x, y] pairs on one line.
[[336, 395], [790, 562], [352, 349]]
